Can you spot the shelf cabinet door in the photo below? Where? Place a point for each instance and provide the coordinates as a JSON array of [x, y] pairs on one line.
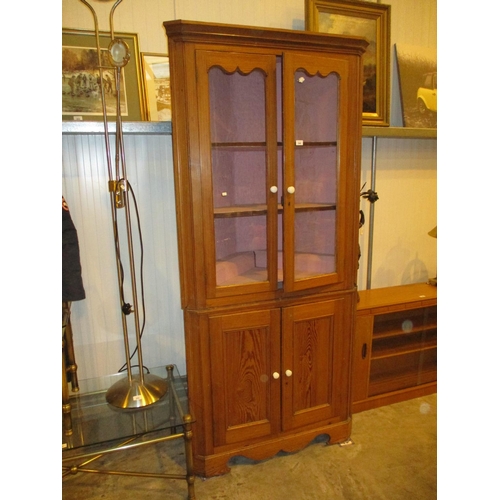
[[276, 171], [238, 144], [315, 363], [315, 91], [404, 349], [245, 353]]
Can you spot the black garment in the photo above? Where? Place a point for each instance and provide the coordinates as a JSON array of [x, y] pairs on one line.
[[72, 284]]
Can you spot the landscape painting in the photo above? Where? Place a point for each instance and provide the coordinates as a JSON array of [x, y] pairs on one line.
[[417, 69]]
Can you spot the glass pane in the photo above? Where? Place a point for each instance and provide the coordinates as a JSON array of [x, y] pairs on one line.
[[241, 246], [237, 124], [315, 174]]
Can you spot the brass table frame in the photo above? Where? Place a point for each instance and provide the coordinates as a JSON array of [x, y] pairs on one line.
[[129, 443]]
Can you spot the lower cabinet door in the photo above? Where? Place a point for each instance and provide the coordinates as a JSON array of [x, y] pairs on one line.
[[315, 354], [245, 354]]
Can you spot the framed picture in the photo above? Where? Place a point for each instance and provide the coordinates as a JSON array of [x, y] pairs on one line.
[[417, 69], [156, 87], [371, 21], [81, 79]]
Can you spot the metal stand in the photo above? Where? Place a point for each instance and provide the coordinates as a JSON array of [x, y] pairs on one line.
[[138, 390]]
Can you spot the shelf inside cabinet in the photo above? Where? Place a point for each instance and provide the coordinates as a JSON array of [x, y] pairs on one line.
[[400, 132], [239, 146], [316, 144], [405, 321], [397, 381], [240, 211], [261, 209], [394, 346], [398, 332], [403, 371]]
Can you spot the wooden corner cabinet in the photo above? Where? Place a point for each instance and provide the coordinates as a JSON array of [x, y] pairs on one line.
[[395, 348], [267, 142]]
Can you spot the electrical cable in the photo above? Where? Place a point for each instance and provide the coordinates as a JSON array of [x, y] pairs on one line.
[[141, 274]]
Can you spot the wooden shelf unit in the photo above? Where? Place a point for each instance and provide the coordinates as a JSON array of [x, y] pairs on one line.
[[395, 348], [267, 144]]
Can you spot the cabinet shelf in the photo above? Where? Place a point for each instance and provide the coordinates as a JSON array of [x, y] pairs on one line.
[[403, 349], [240, 146], [399, 332], [400, 132], [397, 381], [404, 321], [261, 209]]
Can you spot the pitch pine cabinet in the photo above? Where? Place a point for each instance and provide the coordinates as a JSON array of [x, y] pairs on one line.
[[266, 142]]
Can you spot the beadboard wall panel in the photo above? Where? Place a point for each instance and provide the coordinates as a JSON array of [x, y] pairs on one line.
[[96, 320]]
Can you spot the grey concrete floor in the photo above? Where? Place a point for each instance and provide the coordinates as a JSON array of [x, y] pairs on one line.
[[393, 456]]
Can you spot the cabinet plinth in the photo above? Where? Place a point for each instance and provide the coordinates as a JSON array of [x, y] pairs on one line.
[[267, 140]]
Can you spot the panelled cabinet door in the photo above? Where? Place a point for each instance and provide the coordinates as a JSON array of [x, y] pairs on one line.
[[238, 145], [315, 363], [245, 361], [315, 90]]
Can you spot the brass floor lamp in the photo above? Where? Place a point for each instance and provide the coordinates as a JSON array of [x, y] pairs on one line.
[[139, 389]]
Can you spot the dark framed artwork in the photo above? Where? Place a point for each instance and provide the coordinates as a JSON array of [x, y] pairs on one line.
[[373, 22], [417, 71], [81, 80], [156, 86]]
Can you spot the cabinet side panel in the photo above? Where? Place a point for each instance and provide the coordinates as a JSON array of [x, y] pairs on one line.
[[361, 357]]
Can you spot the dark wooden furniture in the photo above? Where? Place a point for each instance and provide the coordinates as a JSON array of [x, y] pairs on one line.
[[267, 150], [395, 349]]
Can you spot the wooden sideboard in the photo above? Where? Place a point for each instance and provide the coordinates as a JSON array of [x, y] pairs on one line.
[[395, 347]]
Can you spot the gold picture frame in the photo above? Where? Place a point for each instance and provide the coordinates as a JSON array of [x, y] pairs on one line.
[[156, 86], [372, 21], [81, 94]]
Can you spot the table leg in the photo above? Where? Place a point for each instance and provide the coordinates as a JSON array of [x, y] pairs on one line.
[[66, 405], [188, 443]]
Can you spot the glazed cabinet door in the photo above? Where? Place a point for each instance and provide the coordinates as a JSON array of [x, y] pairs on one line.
[[315, 363], [315, 195], [238, 156], [245, 361]]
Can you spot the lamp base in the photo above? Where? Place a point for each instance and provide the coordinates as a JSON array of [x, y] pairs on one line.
[[125, 394]]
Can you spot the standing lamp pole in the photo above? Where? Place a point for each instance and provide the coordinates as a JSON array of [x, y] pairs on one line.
[[372, 197], [135, 390]]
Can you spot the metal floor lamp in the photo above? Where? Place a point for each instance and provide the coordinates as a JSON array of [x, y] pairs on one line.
[[140, 389]]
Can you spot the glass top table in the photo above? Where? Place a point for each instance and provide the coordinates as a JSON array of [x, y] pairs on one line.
[[96, 428]]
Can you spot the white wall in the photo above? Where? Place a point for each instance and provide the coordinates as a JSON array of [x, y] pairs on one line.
[[98, 332], [406, 184]]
